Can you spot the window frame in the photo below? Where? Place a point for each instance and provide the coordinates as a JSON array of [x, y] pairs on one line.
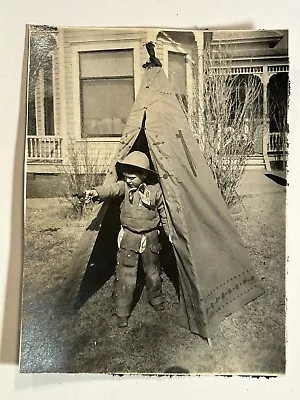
[[77, 48], [185, 102]]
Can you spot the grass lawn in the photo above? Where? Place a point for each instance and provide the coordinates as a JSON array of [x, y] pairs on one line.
[[251, 341]]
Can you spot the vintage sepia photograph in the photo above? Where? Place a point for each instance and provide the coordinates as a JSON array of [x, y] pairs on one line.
[[155, 201]]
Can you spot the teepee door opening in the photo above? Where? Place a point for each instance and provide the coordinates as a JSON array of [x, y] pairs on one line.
[[141, 142]]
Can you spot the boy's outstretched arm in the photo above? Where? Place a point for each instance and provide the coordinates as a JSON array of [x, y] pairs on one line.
[[104, 192]]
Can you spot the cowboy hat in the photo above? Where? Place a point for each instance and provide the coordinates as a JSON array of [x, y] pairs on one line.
[[136, 159]]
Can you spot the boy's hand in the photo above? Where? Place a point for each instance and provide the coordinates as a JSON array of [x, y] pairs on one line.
[[91, 193]]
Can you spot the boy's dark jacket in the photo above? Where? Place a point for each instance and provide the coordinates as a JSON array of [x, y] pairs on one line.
[[215, 274]]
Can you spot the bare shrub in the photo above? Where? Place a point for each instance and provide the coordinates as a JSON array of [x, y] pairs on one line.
[[81, 172], [226, 119]]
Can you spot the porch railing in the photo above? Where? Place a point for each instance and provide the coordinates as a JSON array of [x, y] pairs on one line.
[[49, 148], [278, 68], [44, 148], [276, 142]]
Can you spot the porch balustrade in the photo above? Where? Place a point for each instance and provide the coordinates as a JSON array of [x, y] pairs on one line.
[[247, 70], [278, 68], [48, 148], [276, 142], [44, 149]]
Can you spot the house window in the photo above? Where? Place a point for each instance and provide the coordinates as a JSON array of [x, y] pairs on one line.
[[177, 77], [107, 91]]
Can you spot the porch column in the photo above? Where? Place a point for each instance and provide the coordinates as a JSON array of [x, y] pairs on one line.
[[39, 103], [199, 38], [63, 131], [265, 141]]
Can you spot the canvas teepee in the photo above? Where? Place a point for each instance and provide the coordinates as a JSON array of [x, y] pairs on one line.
[[215, 275]]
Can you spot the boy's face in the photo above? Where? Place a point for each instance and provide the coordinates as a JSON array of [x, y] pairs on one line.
[[134, 179]]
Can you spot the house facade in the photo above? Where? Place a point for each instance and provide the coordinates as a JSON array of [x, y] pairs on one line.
[[83, 82]]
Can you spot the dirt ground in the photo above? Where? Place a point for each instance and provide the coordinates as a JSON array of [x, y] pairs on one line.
[[251, 341]]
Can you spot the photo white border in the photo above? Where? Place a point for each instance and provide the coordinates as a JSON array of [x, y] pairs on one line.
[[255, 14]]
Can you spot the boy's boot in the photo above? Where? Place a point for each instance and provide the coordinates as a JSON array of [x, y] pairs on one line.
[[122, 322], [159, 307]]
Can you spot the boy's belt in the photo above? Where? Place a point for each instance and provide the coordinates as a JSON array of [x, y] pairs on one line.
[[136, 241]]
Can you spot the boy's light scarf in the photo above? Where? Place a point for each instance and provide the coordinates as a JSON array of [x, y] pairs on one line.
[[144, 194]]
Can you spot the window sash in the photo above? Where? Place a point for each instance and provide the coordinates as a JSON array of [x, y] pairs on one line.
[[107, 91], [177, 72], [106, 63], [106, 105]]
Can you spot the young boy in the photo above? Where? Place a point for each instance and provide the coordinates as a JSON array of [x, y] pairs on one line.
[[142, 211]]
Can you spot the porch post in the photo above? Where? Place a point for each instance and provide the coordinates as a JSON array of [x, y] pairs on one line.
[[199, 103], [39, 103], [63, 132], [265, 141]]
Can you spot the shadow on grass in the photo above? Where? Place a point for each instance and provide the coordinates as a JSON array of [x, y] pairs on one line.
[[101, 266]]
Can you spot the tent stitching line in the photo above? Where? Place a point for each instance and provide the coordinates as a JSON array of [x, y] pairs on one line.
[[227, 281], [210, 309]]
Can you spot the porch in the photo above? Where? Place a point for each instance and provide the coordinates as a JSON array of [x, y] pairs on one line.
[[45, 153], [44, 149], [277, 150]]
